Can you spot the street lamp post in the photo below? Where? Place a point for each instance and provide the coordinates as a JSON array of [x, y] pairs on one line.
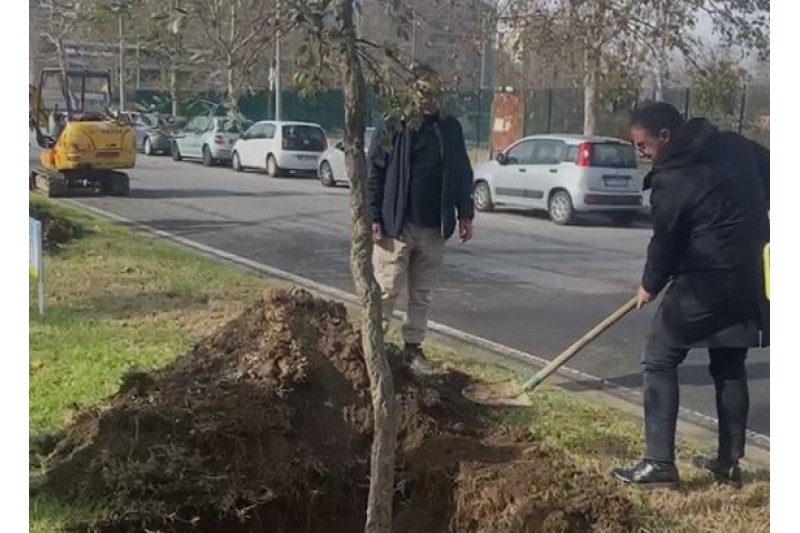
[[121, 62], [278, 106]]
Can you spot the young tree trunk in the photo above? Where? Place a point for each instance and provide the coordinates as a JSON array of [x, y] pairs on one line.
[[230, 89], [173, 88], [229, 81], [658, 74], [381, 487], [591, 94], [659, 70]]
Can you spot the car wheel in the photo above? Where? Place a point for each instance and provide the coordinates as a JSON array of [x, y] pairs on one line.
[[236, 164], [207, 159], [483, 197], [148, 147], [561, 210], [326, 175], [273, 171], [176, 154]]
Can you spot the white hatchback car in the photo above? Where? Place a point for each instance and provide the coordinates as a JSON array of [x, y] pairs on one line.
[[280, 148], [332, 167], [564, 175]]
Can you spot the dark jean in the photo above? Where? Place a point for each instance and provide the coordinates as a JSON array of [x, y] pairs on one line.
[[661, 399]]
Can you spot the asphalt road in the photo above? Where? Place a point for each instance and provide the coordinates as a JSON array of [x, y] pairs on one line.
[[522, 281]]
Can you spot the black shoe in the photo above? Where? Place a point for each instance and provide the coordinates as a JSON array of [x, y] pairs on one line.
[[728, 474], [416, 360], [649, 474]]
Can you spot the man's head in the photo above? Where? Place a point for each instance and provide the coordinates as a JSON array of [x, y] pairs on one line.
[[426, 88], [653, 125]]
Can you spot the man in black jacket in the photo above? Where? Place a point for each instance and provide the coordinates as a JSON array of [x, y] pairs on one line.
[[419, 180], [710, 200]]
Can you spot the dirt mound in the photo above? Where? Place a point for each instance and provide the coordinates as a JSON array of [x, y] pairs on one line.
[[56, 231], [266, 426]]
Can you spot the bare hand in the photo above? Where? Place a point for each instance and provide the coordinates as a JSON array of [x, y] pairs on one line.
[[377, 232], [464, 230], [642, 297]]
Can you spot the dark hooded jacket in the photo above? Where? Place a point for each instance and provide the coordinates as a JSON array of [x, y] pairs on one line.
[[389, 176], [710, 200]]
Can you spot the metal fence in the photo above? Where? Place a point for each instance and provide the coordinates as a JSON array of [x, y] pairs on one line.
[[545, 110], [561, 110]]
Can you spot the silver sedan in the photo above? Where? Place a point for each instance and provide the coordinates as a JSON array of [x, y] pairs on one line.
[[331, 166]]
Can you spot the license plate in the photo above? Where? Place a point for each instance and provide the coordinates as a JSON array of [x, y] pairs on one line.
[[616, 181], [306, 157]]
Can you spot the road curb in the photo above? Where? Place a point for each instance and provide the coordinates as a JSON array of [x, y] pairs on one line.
[[510, 357]]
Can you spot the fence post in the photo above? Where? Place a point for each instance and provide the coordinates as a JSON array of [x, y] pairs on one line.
[[549, 110], [686, 100], [479, 122], [741, 108]]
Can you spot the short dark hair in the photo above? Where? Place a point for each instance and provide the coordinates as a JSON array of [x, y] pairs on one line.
[[657, 116]]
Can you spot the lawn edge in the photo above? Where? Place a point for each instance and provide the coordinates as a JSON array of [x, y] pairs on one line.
[[758, 454]]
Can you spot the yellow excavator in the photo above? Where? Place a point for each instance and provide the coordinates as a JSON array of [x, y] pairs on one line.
[[84, 146]]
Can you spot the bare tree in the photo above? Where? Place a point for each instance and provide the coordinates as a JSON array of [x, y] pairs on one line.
[[603, 34], [235, 34], [59, 23]]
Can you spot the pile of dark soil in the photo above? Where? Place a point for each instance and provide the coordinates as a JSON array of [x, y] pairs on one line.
[[56, 231], [266, 426]]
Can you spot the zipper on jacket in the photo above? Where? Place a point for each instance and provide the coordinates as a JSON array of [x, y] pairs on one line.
[[440, 137]]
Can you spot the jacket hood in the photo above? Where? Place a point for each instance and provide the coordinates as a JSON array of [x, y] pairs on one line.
[[688, 147]]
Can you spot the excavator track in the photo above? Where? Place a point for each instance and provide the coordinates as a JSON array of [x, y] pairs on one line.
[[56, 184], [52, 184], [115, 184]]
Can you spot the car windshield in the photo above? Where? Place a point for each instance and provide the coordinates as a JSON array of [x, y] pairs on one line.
[[613, 155], [149, 120]]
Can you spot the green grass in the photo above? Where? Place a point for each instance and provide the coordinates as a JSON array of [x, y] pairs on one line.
[[599, 438], [113, 301], [117, 300]]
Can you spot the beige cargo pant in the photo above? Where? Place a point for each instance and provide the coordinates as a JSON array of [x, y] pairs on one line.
[[414, 261]]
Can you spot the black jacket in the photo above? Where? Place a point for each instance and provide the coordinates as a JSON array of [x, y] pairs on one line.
[[710, 199], [389, 173]]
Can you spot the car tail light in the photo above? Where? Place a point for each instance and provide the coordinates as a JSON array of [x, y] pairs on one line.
[[584, 155], [218, 139]]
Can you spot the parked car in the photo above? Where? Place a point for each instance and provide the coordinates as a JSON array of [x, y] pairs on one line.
[[331, 169], [280, 148], [564, 175], [154, 132], [209, 139]]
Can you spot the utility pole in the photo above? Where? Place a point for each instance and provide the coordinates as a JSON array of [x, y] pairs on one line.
[[138, 64], [278, 106], [121, 62]]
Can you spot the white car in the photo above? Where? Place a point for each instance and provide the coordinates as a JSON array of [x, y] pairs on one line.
[[564, 175], [332, 168], [280, 148]]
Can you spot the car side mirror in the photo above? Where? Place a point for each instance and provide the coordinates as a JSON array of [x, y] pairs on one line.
[[243, 136], [501, 158]]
